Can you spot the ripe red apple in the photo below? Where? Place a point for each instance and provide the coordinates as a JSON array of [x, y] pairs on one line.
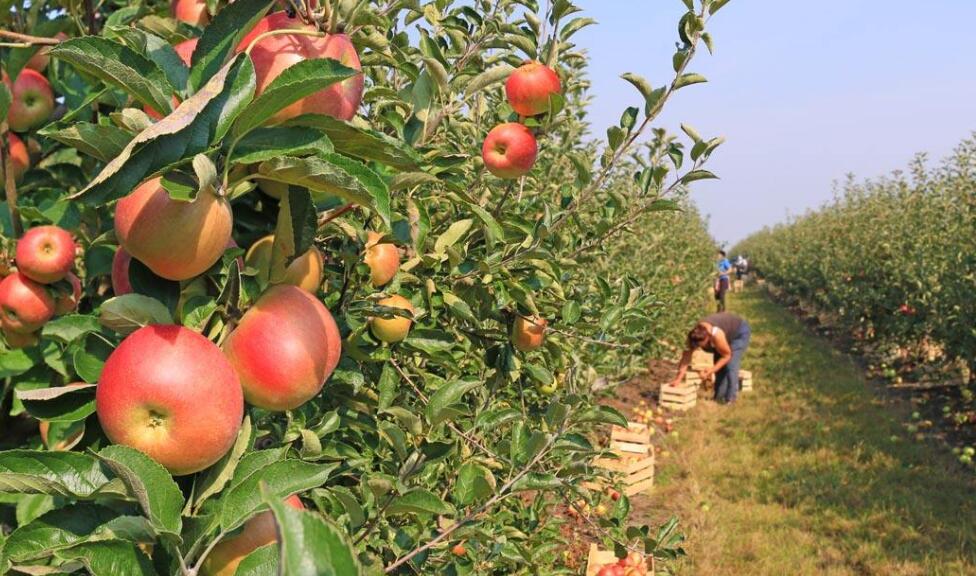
[[258, 531], [273, 54], [15, 340], [170, 393], [529, 87], [611, 570], [284, 348], [32, 101], [528, 333], [185, 51], [46, 254], [176, 240], [192, 12], [68, 302], [41, 58], [25, 305], [459, 549], [509, 150], [383, 259], [17, 155], [306, 271], [120, 272], [395, 329]]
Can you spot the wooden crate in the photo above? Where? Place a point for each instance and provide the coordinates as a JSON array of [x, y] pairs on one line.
[[745, 379], [635, 432], [598, 558], [701, 360], [682, 397], [738, 285], [634, 457]]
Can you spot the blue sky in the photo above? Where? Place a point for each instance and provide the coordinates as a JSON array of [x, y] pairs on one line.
[[804, 92]]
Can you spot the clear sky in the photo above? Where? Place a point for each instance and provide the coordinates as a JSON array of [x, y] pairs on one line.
[[804, 92]]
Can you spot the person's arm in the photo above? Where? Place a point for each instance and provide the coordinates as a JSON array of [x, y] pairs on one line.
[[721, 345], [682, 367]]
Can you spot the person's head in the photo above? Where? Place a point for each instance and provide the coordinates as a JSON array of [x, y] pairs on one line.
[[699, 337], [721, 254]]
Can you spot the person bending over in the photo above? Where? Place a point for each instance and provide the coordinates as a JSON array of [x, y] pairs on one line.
[[726, 336]]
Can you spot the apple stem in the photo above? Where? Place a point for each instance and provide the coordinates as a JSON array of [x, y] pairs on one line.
[[282, 32], [333, 18]]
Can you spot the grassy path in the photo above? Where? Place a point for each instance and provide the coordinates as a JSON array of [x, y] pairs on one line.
[[812, 473]]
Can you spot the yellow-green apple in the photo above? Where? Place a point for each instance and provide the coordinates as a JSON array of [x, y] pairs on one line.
[[17, 155], [170, 393], [185, 51], [68, 301], [45, 254], [41, 58], [383, 259], [120, 272], [306, 271], [25, 305], [272, 55], [31, 101], [396, 328], [258, 531], [192, 12], [175, 239], [509, 150], [15, 340], [529, 87], [528, 333], [284, 348]]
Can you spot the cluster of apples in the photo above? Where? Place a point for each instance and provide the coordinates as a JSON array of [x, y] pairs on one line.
[[510, 149], [41, 287], [633, 565], [649, 415]]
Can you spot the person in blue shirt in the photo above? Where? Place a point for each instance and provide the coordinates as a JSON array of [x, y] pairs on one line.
[[722, 282]]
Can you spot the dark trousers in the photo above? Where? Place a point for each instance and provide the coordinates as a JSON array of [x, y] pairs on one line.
[[723, 288], [727, 379]]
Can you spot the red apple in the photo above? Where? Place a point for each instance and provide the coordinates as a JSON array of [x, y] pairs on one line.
[[383, 259], [459, 549], [284, 348], [31, 101], [395, 329], [306, 271], [192, 12], [175, 239], [15, 340], [509, 150], [25, 305], [41, 58], [18, 156], [258, 531], [170, 393], [529, 87], [46, 254], [273, 54], [120, 272], [528, 333], [68, 302], [611, 570]]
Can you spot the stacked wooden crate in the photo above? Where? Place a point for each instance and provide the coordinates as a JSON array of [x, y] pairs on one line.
[[684, 396], [634, 457], [738, 285], [745, 380]]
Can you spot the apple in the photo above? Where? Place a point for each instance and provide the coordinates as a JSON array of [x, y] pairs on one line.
[[120, 272], [184, 50], [15, 340], [529, 87], [509, 150], [459, 549], [611, 570], [32, 101], [17, 155], [528, 333], [306, 271], [175, 239], [68, 301], [383, 259], [183, 408], [272, 55], [395, 329], [41, 58], [259, 531], [192, 12], [25, 305], [45, 254], [614, 494], [284, 348]]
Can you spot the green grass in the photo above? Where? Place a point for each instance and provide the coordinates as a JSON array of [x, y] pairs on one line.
[[812, 473]]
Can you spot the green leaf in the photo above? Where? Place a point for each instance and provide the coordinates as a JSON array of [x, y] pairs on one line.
[[688, 80], [66, 474], [294, 83], [452, 235], [261, 562], [691, 132], [69, 328], [222, 36], [474, 482], [127, 313], [639, 82], [602, 415], [430, 341], [266, 143], [215, 478], [110, 558], [16, 362], [493, 230], [119, 66], [5, 100], [59, 404], [308, 544], [716, 5], [574, 26], [158, 51], [571, 312], [333, 175], [360, 142], [487, 78], [419, 501], [282, 480], [538, 373], [151, 486], [697, 175], [295, 230], [101, 141], [447, 396]]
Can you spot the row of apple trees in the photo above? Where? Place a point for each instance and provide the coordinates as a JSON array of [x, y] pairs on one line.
[[442, 441]]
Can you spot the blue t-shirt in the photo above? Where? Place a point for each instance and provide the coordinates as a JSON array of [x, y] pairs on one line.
[[724, 266]]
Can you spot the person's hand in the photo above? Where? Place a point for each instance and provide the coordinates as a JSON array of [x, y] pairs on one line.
[[706, 374], [674, 382]]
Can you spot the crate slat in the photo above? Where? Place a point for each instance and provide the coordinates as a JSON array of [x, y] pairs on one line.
[[640, 487], [628, 447]]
